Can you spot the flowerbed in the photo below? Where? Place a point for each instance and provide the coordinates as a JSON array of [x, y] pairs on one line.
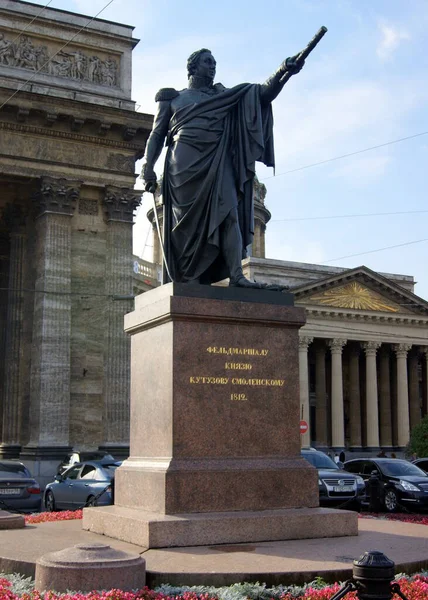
[[404, 517], [44, 517], [14, 587]]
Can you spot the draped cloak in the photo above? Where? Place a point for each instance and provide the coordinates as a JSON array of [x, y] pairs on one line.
[[209, 170]]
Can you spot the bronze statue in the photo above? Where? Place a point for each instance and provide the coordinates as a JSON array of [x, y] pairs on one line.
[[214, 136]]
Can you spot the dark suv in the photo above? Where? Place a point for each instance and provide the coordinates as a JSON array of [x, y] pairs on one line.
[[402, 484], [336, 487]]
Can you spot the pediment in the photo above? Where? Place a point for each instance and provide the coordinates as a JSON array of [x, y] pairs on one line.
[[360, 290], [354, 295]]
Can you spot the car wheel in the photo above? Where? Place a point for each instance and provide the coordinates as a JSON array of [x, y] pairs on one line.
[[50, 501], [91, 501], [390, 501]]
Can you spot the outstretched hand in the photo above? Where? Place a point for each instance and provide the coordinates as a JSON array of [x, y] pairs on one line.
[[294, 65]]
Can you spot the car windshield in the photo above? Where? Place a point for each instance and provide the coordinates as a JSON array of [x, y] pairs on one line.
[[319, 460], [395, 468], [8, 471]]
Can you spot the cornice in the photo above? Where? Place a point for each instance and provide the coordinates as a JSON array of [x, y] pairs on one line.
[[35, 101], [343, 315], [69, 135]]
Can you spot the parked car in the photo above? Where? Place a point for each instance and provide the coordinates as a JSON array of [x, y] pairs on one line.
[[84, 484], [18, 489], [78, 456], [336, 486], [422, 463], [401, 482]]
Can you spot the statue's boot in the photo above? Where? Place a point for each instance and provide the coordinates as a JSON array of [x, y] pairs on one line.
[[243, 282], [231, 240]]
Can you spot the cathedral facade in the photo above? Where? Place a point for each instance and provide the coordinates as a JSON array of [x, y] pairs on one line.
[[69, 139]]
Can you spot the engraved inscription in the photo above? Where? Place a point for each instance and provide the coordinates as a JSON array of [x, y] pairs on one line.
[[260, 382], [237, 351], [238, 366], [209, 380]]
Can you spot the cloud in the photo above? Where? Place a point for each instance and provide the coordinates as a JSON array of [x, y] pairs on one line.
[[391, 38]]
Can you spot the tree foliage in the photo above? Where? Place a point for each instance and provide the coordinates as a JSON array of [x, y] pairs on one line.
[[418, 443]]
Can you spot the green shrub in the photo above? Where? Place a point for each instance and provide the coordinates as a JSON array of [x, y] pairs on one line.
[[418, 443]]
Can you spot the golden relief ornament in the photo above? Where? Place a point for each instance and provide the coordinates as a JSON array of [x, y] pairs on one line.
[[353, 295]]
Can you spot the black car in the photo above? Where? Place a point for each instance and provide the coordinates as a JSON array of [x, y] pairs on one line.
[[78, 456], [402, 484], [336, 486], [18, 489], [422, 463]]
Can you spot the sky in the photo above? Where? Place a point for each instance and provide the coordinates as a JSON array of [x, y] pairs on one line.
[[364, 85]]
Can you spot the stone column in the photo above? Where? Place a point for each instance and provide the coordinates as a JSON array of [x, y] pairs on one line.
[[372, 410], [321, 429], [414, 399], [13, 376], [354, 398], [119, 204], [4, 284], [403, 425], [424, 350], [385, 409], [337, 413], [304, 342], [50, 361]]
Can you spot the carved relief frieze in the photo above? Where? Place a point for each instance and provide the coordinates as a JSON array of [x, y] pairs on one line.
[[121, 162], [70, 63], [88, 206], [56, 196], [120, 203], [353, 295]]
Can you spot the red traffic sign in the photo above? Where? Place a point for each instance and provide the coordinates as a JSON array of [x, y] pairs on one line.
[[303, 427]]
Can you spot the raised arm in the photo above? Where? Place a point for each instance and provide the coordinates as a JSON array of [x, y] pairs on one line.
[[290, 66], [155, 144], [272, 86]]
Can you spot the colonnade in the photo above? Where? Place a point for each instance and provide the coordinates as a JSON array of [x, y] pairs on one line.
[[361, 395], [42, 356]]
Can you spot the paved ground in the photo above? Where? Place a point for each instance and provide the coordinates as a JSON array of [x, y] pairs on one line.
[[271, 562]]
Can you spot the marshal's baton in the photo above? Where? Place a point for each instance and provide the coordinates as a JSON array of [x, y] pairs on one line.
[[165, 262], [305, 53]]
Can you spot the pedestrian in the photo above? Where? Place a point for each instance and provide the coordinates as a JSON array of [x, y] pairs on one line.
[[336, 458], [342, 457]]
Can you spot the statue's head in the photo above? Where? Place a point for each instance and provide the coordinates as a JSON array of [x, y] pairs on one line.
[[201, 63]]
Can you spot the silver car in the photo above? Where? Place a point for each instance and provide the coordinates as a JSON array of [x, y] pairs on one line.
[[84, 484]]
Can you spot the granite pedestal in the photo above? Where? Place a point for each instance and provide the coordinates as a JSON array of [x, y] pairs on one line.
[[215, 442]]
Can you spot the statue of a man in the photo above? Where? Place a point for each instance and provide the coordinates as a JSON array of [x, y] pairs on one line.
[[214, 136]]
